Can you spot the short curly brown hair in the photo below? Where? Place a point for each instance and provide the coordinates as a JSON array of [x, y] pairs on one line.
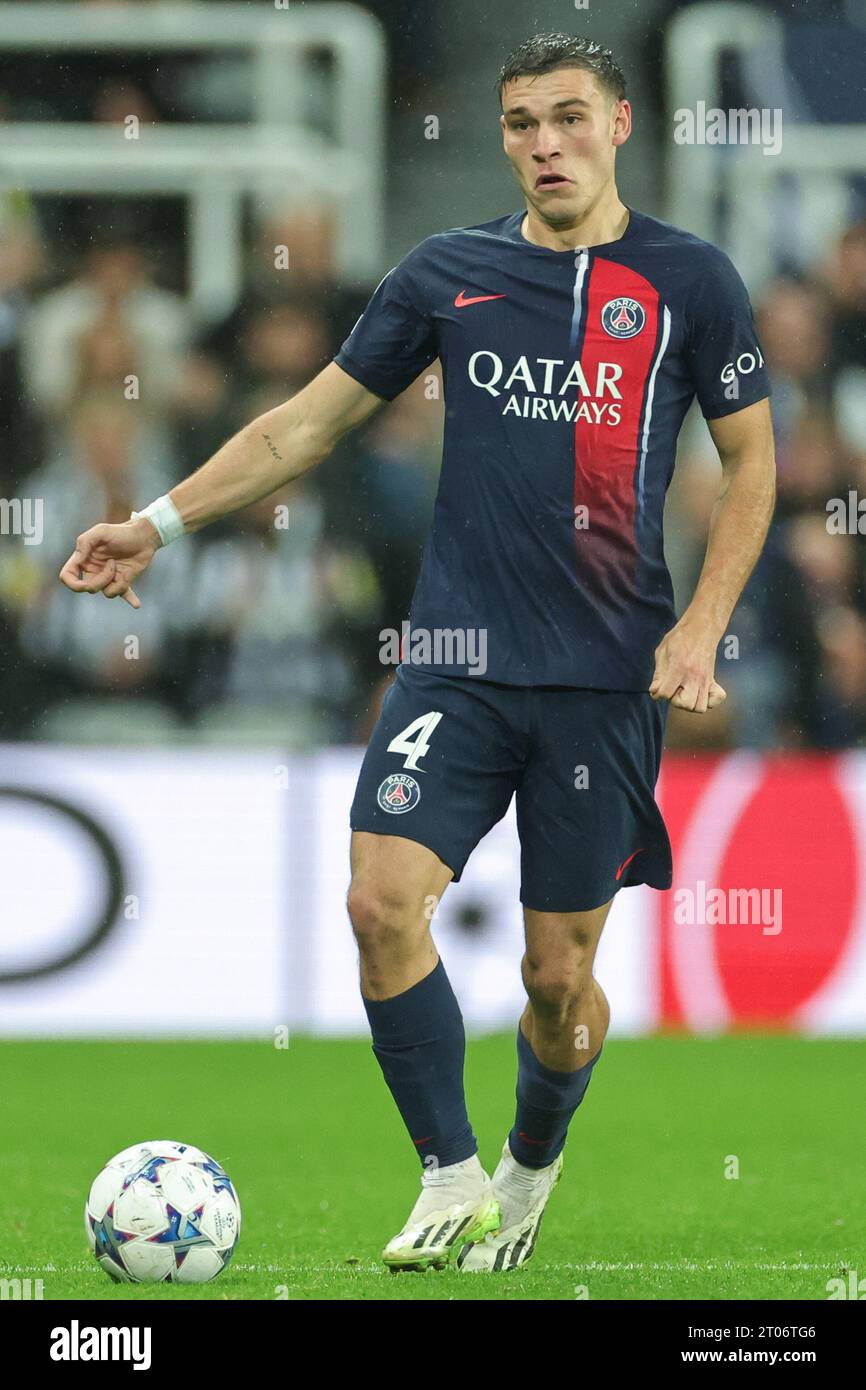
[[545, 52]]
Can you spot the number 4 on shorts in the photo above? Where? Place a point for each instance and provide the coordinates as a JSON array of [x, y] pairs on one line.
[[422, 728]]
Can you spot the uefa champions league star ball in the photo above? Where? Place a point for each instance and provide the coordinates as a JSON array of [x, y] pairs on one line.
[[162, 1212]]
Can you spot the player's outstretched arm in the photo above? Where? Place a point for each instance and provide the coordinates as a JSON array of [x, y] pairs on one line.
[[686, 656], [272, 450]]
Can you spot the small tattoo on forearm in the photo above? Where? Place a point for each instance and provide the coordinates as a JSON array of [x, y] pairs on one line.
[[273, 448]]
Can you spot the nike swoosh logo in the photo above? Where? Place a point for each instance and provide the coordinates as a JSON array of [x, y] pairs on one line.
[[461, 301], [625, 863]]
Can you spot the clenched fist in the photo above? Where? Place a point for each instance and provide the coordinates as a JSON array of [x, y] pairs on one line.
[[685, 669]]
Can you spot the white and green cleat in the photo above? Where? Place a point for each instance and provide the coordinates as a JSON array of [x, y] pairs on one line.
[[522, 1194], [456, 1207]]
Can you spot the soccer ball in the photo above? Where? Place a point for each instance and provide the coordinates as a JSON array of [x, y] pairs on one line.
[[162, 1212]]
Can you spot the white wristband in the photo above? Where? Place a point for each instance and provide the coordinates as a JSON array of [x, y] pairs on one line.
[[164, 515]]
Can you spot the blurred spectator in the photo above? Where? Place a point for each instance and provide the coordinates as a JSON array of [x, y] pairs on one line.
[[202, 409], [40, 86], [107, 468], [109, 324], [845, 276], [292, 263], [828, 563], [793, 325], [21, 265], [841, 704], [110, 463], [797, 677], [272, 606], [284, 347], [811, 464], [117, 98], [384, 491]]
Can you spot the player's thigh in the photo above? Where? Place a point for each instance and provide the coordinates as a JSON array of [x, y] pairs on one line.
[[440, 768], [586, 810]]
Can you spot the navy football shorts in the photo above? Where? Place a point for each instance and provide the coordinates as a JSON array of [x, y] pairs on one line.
[[448, 754]]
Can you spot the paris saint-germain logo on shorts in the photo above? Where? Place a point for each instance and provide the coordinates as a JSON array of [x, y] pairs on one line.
[[623, 318], [399, 793]]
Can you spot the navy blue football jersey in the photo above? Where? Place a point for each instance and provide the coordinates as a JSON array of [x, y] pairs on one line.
[[567, 375]]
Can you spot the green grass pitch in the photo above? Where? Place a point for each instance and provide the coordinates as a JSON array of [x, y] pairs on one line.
[[326, 1174]]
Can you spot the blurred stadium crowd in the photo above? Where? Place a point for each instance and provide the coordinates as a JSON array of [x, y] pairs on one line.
[[271, 617], [248, 630], [797, 674], [251, 630]]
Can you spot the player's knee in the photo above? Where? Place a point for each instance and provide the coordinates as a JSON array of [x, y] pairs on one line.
[[379, 914], [556, 987]]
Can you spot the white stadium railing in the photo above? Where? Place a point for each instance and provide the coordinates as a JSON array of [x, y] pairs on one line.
[[217, 166], [730, 193]]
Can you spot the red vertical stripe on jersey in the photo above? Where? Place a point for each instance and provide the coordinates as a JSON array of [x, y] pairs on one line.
[[606, 454]]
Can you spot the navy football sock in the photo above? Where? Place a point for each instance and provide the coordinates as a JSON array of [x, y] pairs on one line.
[[546, 1101], [419, 1041]]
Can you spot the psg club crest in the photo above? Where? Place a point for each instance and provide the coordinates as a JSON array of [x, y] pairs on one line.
[[623, 318], [398, 794]]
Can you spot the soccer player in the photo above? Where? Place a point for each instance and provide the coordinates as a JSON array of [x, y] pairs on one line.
[[573, 336]]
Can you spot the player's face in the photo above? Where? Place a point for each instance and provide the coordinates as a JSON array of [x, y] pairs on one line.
[[561, 132]]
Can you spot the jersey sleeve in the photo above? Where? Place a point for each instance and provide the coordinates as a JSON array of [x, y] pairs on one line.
[[722, 351], [395, 338]]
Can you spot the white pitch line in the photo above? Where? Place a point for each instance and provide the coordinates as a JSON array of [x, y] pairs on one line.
[[297, 1271], [708, 1266]]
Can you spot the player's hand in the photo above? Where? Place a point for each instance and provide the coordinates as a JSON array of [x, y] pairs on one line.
[[107, 559], [685, 669]]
